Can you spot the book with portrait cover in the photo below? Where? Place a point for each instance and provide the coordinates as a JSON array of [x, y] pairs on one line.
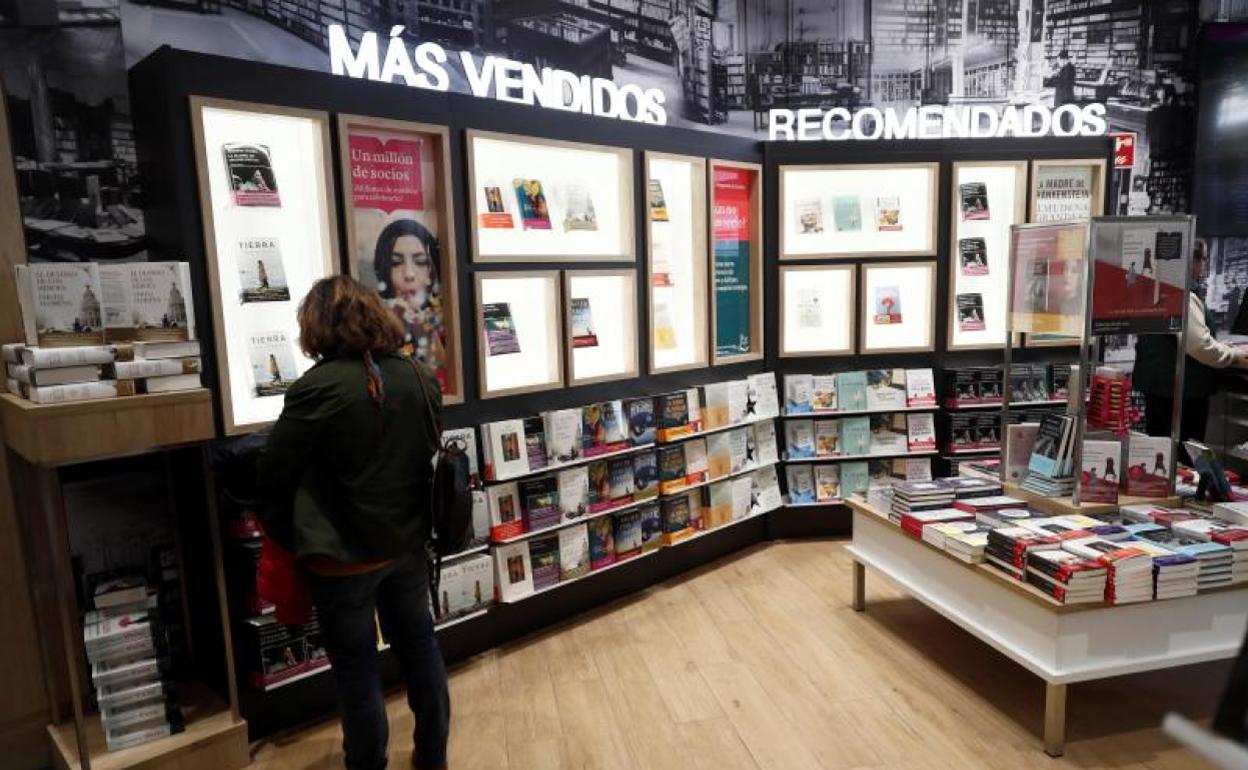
[[573, 552], [544, 556], [578, 213], [601, 542], [847, 213], [973, 256], [272, 363], [657, 201], [261, 274], [61, 304], [583, 335], [515, 572], [971, 312], [500, 329], [531, 199], [250, 169], [809, 215], [503, 502], [573, 487], [974, 200], [888, 213], [496, 216], [506, 451]]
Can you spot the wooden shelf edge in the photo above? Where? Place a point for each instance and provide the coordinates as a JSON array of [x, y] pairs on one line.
[[59, 434]]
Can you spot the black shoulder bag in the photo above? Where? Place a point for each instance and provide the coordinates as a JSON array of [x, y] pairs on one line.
[[449, 528]]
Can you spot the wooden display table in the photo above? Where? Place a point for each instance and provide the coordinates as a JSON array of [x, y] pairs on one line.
[[1064, 506], [1058, 643]]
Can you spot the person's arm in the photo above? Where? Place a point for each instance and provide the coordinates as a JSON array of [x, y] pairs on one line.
[[281, 465], [1200, 344]]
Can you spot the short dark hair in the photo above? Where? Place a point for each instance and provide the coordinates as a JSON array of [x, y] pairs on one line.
[[385, 248], [338, 317]]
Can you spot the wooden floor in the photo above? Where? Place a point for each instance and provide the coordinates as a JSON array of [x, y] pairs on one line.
[[757, 661]]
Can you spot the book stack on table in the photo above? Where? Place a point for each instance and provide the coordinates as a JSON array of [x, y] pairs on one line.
[[91, 372], [1068, 578], [1130, 569]]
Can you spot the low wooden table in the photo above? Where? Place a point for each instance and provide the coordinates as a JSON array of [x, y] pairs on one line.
[[1060, 644]]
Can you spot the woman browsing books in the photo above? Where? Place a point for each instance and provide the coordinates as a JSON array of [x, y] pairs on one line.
[[344, 486]]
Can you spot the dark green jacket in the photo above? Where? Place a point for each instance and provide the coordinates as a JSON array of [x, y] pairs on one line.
[[1155, 361], [342, 478]]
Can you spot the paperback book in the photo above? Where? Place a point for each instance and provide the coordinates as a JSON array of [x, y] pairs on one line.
[[762, 400], [514, 567], [920, 388], [272, 363], [974, 199], [827, 483], [506, 451], [798, 393], [1099, 481], [544, 557], [61, 304], [823, 393], [563, 435], [809, 215], [799, 439], [535, 442], [500, 329], [920, 432], [583, 335], [645, 476], [973, 256], [851, 388], [971, 312], [827, 438], [886, 389], [573, 492], [506, 519], [601, 542], [1148, 465], [531, 203], [855, 436], [261, 274], [847, 213], [250, 170], [627, 531], [640, 415], [801, 483], [888, 213], [579, 211]]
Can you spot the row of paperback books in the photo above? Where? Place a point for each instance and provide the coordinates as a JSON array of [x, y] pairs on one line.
[[563, 437], [881, 434], [1029, 384], [871, 390], [543, 562], [518, 508], [981, 431], [824, 484], [56, 375]]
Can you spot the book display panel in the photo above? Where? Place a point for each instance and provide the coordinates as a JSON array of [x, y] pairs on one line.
[[519, 336], [269, 216], [737, 239], [677, 269], [546, 200], [987, 199], [817, 310], [858, 211], [601, 334], [1066, 190], [1049, 273], [1140, 272], [898, 310], [400, 224]]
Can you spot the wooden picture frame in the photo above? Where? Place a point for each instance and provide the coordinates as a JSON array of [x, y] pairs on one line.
[[438, 139], [849, 310], [866, 306], [549, 250], [755, 240], [929, 247], [326, 228], [553, 321], [955, 234], [697, 235], [625, 325]]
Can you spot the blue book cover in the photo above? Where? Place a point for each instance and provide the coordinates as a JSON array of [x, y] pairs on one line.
[[855, 477], [640, 412], [856, 435], [851, 391]]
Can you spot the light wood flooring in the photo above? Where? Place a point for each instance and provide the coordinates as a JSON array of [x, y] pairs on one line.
[[758, 662]]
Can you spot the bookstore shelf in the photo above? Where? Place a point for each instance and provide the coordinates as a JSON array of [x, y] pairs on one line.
[[728, 525], [59, 434], [708, 482], [997, 405], [717, 429], [212, 739], [579, 578], [1061, 644], [851, 458], [858, 412], [991, 450], [573, 523], [572, 464], [461, 619], [816, 504], [302, 676], [481, 548]]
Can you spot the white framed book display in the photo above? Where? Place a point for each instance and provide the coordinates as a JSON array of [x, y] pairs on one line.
[[544, 200], [519, 332], [676, 269], [987, 197], [400, 228], [267, 199], [875, 211], [897, 313], [817, 310], [736, 261], [600, 338]]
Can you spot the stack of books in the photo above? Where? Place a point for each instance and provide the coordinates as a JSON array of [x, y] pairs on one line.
[[1130, 569], [83, 373], [1174, 574], [1109, 402], [1213, 531], [969, 544], [1216, 560], [915, 522], [973, 487], [1049, 468], [1070, 527], [1232, 513], [913, 496], [1066, 577], [129, 666], [1008, 548]]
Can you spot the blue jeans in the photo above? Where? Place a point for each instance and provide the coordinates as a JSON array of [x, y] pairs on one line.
[[345, 606]]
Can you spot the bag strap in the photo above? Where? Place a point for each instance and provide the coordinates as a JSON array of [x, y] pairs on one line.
[[434, 422], [433, 559]]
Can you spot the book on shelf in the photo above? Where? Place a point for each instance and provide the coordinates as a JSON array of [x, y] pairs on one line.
[[60, 303], [920, 432], [1051, 452], [535, 442], [544, 557], [573, 552], [161, 367], [715, 411], [916, 468], [506, 519], [82, 391], [651, 526], [563, 435], [1059, 380], [601, 542], [888, 433], [886, 389], [539, 503], [851, 391], [827, 438], [674, 415], [67, 375], [506, 454], [627, 530], [827, 483], [762, 400], [1148, 465], [798, 393], [678, 518], [920, 388], [855, 435], [620, 480], [801, 483], [765, 446], [480, 516], [1020, 439], [156, 349], [716, 502], [448, 591], [476, 584], [765, 488], [718, 455], [645, 475], [855, 478], [799, 439], [603, 430], [1099, 480], [823, 396], [513, 571], [696, 466], [640, 415], [746, 493], [51, 358]]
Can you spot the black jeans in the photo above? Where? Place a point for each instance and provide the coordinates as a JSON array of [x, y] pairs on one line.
[[345, 607]]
